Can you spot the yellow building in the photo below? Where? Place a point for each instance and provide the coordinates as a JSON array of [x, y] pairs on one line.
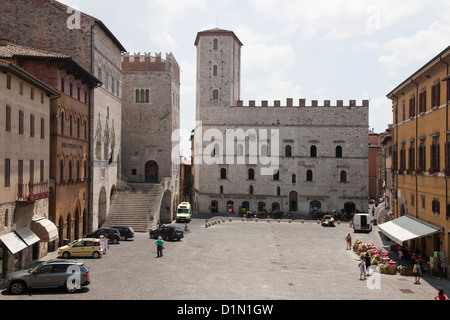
[[421, 159]]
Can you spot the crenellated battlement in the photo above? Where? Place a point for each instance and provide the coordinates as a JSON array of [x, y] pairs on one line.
[[147, 62], [301, 104]]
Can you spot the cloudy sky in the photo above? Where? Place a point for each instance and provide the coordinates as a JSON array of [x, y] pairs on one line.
[[312, 49]]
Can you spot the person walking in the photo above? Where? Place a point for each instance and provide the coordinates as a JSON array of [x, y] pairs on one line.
[[348, 238], [441, 295], [417, 272], [362, 270], [367, 263], [159, 247]]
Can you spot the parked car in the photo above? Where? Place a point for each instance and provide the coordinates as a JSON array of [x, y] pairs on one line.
[[168, 232], [82, 247], [125, 232], [327, 221], [49, 274], [112, 234]]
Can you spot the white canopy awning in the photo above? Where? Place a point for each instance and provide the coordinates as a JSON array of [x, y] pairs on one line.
[[407, 228], [13, 242], [28, 236], [45, 230]]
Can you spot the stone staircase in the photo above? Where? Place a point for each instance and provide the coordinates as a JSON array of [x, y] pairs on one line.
[[134, 205]]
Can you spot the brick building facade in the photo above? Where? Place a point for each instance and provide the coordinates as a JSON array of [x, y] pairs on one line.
[[91, 44]]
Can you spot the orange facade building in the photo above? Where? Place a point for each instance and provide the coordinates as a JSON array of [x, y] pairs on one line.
[[421, 153]]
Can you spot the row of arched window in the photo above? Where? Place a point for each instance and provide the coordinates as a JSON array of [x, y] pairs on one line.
[[72, 173], [276, 175], [77, 128], [142, 96]]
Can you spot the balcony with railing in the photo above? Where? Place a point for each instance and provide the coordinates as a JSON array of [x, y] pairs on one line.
[[33, 191]]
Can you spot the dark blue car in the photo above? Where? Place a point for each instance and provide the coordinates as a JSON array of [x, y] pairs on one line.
[[125, 232]]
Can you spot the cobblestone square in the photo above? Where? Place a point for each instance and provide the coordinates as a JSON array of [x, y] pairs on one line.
[[242, 260]]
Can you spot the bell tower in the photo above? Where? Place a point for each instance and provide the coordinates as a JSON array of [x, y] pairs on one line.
[[218, 71]]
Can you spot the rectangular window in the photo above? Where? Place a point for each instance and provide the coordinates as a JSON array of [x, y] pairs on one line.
[[41, 171], [8, 81], [8, 118], [7, 172], [422, 158], [412, 106], [403, 157], [32, 93], [42, 128], [422, 101], [403, 111], [436, 94], [434, 154], [411, 156], [21, 88], [42, 98], [20, 122], [31, 125], [31, 171]]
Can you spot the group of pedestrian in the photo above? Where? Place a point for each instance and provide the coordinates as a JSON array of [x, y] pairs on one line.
[[364, 267]]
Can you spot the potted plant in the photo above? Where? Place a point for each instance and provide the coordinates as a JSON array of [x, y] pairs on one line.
[[405, 270], [388, 269], [431, 170], [277, 214]]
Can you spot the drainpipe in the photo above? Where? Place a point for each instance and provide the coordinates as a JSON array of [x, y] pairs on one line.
[[396, 161], [415, 140], [446, 129]]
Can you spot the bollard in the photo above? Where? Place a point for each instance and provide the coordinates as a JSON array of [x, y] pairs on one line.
[[223, 220], [206, 225], [279, 221], [231, 219], [290, 221], [256, 219], [303, 221], [268, 221]]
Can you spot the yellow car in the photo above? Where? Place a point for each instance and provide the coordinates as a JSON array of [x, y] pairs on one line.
[[82, 247]]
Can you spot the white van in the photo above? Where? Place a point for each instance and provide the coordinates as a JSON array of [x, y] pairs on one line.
[[362, 222], [184, 212]]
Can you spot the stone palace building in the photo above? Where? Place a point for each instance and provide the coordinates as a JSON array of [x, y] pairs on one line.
[[290, 156]]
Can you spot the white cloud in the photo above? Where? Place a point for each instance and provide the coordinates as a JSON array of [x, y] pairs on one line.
[[414, 51], [163, 14], [339, 19], [380, 113]]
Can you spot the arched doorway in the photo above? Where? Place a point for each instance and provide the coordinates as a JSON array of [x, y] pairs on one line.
[[61, 230], [230, 206], [77, 224], [165, 215], [69, 228], [350, 207], [151, 172], [85, 223], [214, 206], [102, 206], [293, 201]]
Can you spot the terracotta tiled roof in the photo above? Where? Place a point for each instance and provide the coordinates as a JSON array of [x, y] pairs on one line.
[[11, 50]]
